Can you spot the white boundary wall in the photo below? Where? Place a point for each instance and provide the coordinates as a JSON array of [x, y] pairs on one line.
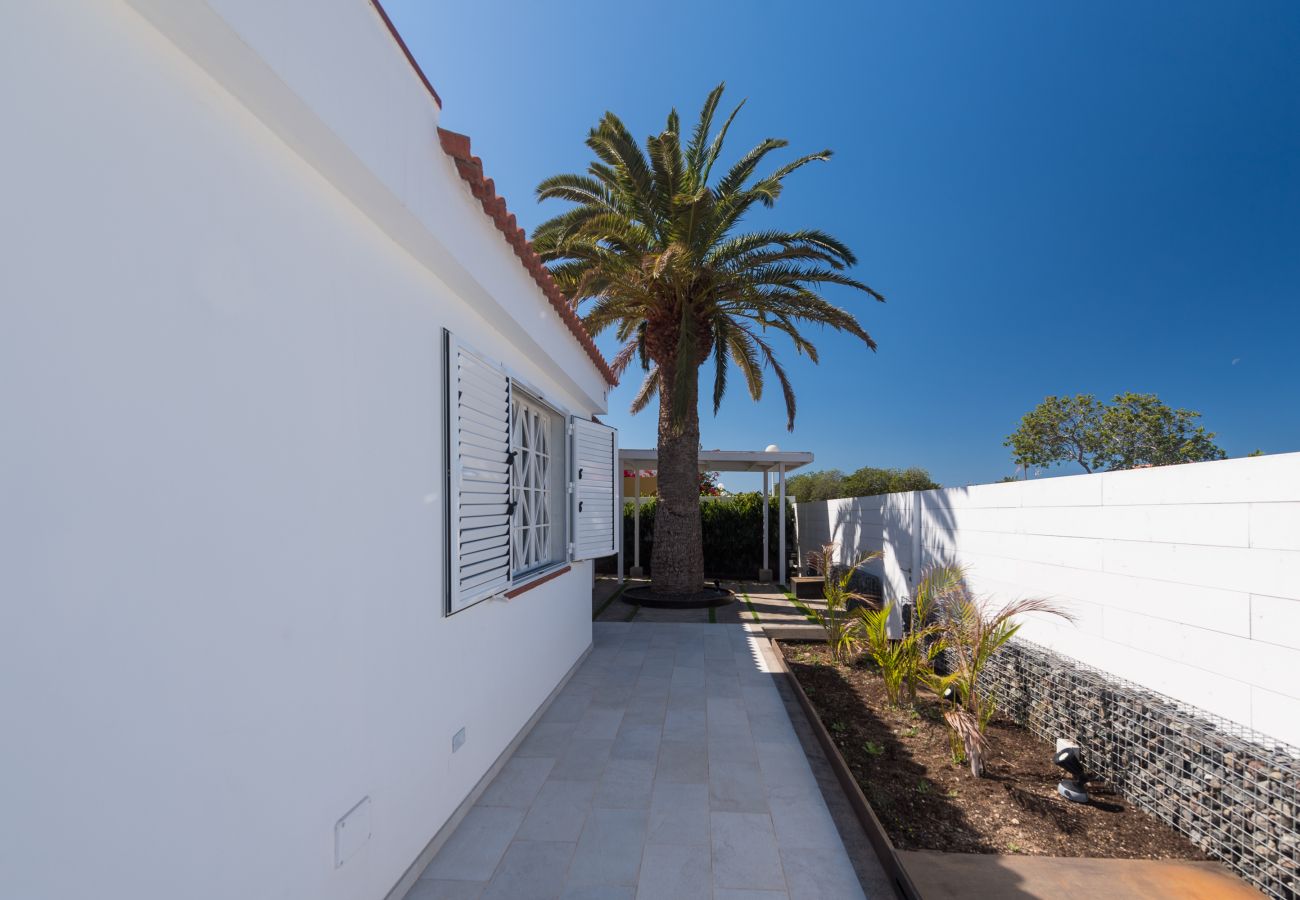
[[1185, 579]]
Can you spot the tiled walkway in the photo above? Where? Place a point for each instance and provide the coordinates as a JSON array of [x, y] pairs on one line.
[[667, 768]]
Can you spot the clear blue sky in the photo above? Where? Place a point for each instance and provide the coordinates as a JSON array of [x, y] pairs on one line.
[[1054, 198]]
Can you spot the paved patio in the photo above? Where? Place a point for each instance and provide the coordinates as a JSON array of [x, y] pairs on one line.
[[668, 767]]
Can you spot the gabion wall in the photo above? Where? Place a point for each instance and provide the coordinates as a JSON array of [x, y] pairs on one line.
[[1234, 792]]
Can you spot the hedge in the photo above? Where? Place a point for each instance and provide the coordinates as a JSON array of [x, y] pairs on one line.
[[732, 527]]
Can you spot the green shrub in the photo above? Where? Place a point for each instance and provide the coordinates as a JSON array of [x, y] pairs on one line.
[[732, 529]]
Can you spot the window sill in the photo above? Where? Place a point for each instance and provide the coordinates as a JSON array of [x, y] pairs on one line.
[[537, 581]]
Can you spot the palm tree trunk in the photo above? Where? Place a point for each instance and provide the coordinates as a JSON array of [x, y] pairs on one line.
[[677, 556]]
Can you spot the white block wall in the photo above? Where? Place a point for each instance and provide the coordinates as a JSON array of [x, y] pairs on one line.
[[1185, 579]]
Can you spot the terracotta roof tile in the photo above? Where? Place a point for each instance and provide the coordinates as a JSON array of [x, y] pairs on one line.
[[470, 168]]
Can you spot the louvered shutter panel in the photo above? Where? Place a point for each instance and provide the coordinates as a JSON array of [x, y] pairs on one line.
[[595, 463], [480, 479]]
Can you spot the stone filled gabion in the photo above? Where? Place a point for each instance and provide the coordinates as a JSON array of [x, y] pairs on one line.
[[1233, 792]]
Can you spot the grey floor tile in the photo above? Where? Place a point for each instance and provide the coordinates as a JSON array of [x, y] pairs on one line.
[[737, 787], [820, 875], [598, 892], [653, 685], [518, 782], [559, 812], [567, 708], [772, 726], [609, 851], [683, 762], [686, 724], [477, 845], [646, 711], [744, 851], [732, 749], [686, 698], [637, 742], [437, 889], [675, 872], [583, 760], [546, 739], [630, 659], [679, 814], [599, 722], [785, 764], [727, 718], [803, 823], [612, 693], [687, 678], [626, 784], [743, 894], [533, 869]]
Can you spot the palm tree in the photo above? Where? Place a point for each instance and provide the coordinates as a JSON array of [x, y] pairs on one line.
[[653, 250]]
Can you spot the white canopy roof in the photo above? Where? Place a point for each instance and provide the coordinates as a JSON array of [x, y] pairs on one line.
[[722, 460]]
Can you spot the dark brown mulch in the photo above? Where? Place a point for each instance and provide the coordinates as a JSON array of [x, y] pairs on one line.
[[901, 759]]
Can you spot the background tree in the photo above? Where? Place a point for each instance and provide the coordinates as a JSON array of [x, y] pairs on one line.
[[830, 484], [1133, 430], [809, 487], [869, 481], [652, 250]]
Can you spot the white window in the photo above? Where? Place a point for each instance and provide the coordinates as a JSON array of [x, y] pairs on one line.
[[595, 500], [528, 487], [537, 489]]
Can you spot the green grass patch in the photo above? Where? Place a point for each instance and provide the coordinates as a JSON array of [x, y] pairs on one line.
[[713, 615], [604, 606], [632, 615], [753, 612]]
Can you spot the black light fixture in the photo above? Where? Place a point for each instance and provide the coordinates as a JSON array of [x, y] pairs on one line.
[[1069, 758]]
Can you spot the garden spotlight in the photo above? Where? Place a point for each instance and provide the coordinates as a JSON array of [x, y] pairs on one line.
[[1069, 758]]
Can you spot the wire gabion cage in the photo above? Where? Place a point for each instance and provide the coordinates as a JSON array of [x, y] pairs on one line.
[[1232, 791]]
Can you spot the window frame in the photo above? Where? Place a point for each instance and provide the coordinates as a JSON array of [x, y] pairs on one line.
[[524, 579], [558, 474]]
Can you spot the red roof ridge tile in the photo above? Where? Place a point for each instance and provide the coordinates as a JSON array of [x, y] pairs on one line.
[[470, 168]]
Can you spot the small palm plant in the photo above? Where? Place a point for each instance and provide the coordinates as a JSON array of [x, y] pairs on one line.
[[842, 627], [972, 631], [908, 662]]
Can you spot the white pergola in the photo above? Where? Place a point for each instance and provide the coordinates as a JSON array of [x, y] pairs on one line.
[[766, 461]]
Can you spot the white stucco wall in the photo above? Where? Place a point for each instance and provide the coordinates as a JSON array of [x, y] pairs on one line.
[[221, 493], [1183, 578]]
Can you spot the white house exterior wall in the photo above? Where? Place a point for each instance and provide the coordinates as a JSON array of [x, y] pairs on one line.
[[221, 478], [1185, 579]]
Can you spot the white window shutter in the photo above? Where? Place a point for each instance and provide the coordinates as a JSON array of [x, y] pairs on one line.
[[479, 558], [595, 498]]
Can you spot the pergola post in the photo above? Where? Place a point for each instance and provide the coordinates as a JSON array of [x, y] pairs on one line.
[[765, 573], [637, 571], [618, 513], [780, 523]]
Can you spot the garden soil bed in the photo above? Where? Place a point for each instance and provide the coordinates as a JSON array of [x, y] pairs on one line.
[[902, 762]]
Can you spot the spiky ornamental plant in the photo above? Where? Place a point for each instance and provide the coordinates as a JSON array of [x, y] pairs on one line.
[[908, 662], [653, 250], [843, 629], [973, 630]]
